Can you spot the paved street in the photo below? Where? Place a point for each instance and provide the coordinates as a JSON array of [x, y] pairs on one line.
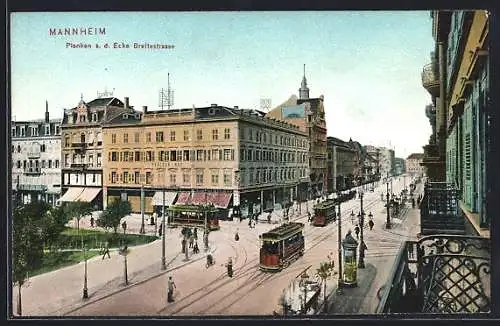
[[211, 292]]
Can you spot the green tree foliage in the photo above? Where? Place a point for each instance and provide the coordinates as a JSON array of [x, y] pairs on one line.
[[113, 214], [52, 224], [324, 272], [77, 210], [28, 240]]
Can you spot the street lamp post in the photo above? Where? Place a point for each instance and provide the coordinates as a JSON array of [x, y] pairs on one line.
[[361, 261], [388, 220], [85, 289], [339, 285], [163, 260], [142, 231]]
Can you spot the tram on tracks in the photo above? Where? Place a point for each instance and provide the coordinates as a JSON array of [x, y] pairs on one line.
[[281, 246], [194, 216], [324, 212]]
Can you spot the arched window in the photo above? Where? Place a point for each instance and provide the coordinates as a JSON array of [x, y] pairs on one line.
[[18, 148]]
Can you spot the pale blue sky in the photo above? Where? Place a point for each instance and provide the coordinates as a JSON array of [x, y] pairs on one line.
[[366, 64]]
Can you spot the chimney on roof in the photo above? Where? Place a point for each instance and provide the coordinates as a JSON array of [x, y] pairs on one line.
[[46, 111], [126, 102], [213, 105], [145, 108]]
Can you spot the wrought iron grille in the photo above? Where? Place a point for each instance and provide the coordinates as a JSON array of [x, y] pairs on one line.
[[439, 274]]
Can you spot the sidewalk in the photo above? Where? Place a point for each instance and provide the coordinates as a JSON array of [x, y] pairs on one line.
[[363, 298], [57, 292]]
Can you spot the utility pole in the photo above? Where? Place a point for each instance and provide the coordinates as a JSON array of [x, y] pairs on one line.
[[388, 221], [163, 261], [361, 262], [339, 235], [142, 231]]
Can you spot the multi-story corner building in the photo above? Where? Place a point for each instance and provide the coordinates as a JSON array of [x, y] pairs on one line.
[[460, 90], [36, 151], [341, 165], [309, 115], [226, 156], [82, 147], [413, 164]]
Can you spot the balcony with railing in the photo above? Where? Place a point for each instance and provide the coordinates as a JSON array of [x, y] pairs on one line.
[[430, 78], [35, 154], [439, 210], [32, 171], [79, 166], [79, 145], [439, 274]]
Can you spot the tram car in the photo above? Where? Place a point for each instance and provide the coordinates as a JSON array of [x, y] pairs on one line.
[[281, 246], [324, 212], [194, 216]]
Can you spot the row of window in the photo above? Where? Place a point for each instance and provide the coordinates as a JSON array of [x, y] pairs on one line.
[[267, 138], [160, 136], [225, 154], [37, 164], [82, 159], [77, 179], [265, 175], [269, 155], [40, 148], [135, 177], [82, 139], [20, 131]]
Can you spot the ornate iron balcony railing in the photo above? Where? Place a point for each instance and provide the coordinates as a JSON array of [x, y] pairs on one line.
[[439, 210], [430, 78], [439, 274], [34, 154]]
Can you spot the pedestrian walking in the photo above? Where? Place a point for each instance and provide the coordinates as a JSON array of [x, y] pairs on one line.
[[171, 287], [191, 241], [124, 226], [370, 224], [236, 236], [356, 230], [160, 230], [229, 266], [309, 217], [195, 248], [195, 234], [92, 221], [352, 217], [106, 250], [269, 218]]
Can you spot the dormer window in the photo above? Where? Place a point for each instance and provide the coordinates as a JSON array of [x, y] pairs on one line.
[[137, 115], [82, 118], [125, 116], [47, 130], [94, 117]]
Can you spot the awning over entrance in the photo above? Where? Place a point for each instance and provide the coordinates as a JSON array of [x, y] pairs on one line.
[[219, 199], [88, 194], [71, 194], [158, 198], [183, 198]]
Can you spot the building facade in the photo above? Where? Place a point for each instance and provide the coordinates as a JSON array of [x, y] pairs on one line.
[[36, 152], [341, 165], [462, 109], [226, 156], [82, 148], [399, 165], [386, 162], [413, 164], [309, 115]]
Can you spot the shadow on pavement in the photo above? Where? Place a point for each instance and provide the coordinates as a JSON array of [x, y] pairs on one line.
[[352, 300]]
